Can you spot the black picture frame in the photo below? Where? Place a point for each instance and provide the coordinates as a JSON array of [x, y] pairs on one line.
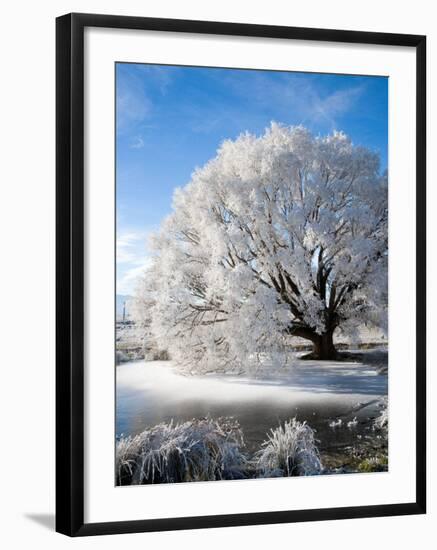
[[70, 273]]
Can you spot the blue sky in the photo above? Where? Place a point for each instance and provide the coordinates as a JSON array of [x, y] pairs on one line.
[[169, 120]]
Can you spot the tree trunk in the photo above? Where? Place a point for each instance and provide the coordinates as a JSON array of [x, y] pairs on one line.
[[323, 344], [324, 348]]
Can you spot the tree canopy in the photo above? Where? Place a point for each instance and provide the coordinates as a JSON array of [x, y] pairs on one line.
[[279, 235]]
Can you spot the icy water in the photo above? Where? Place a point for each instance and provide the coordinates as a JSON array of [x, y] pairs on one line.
[[152, 392]]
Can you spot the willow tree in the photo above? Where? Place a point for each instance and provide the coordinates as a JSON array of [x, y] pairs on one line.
[[280, 235]]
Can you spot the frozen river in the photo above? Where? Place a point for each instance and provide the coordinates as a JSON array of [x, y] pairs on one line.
[[320, 393]]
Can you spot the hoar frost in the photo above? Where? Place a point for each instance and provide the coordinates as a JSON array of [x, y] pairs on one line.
[[278, 236]]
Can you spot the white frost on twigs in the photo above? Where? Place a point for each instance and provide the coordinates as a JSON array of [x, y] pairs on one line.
[[277, 236]]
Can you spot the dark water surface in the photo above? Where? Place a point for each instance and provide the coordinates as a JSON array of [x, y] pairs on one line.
[[152, 392]]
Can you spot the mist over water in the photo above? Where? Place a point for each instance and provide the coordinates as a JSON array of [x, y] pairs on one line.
[[149, 393]]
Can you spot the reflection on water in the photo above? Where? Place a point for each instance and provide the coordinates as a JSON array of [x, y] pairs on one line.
[[152, 392]]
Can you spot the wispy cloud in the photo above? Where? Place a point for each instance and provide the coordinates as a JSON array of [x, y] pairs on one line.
[[132, 260], [133, 107], [137, 143], [294, 96], [130, 246], [128, 279], [335, 104], [136, 86], [158, 76]]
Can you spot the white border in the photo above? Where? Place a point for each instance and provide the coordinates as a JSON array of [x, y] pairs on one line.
[[103, 501]]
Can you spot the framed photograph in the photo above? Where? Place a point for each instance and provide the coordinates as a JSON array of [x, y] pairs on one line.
[[240, 274]]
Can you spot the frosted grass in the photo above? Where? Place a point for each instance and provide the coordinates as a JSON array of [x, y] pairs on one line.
[[197, 450], [290, 450], [209, 450]]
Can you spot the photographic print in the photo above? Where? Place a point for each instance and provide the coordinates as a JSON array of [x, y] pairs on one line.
[[252, 258]]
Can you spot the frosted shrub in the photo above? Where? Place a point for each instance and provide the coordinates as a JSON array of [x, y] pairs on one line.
[[197, 450], [381, 421], [126, 454], [290, 450]]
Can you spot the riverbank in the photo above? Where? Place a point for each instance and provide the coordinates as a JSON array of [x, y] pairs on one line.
[[338, 400], [214, 449]]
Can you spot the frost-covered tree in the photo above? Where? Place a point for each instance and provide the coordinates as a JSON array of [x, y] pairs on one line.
[[277, 236], [142, 306]]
